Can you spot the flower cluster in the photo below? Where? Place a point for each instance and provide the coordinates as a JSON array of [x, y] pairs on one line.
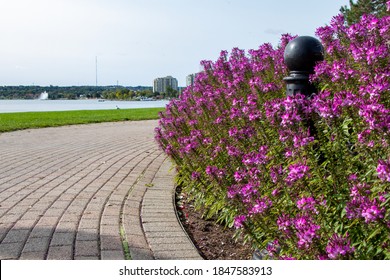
[[383, 170], [360, 206], [311, 176], [339, 247]]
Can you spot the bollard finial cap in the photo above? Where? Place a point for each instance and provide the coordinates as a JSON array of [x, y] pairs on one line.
[[302, 53]]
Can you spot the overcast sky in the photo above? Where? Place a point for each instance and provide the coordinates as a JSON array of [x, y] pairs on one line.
[[56, 42]]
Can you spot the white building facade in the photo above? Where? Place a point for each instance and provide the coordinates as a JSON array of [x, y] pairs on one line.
[[161, 85], [190, 79]]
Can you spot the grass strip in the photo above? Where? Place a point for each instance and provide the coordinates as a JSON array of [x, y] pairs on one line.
[[18, 121], [125, 244]]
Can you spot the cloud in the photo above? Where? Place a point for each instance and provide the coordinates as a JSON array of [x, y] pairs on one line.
[[19, 67], [274, 31]]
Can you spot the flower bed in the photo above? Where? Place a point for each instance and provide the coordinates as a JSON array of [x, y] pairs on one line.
[[305, 178]]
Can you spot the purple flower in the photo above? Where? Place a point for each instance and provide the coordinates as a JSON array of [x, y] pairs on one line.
[[296, 172], [361, 206], [382, 196], [239, 176], [352, 177], [287, 258], [376, 115], [276, 192], [233, 151], [261, 206], [339, 247], [300, 141], [239, 221], [233, 191], [371, 212], [307, 204], [195, 175], [193, 122], [362, 136], [306, 231], [247, 191], [275, 172], [207, 141], [168, 150], [215, 171], [326, 106], [273, 248], [284, 223], [353, 209], [383, 170], [254, 158], [233, 131]]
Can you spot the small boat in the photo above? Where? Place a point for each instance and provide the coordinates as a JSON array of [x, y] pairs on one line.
[[147, 99]]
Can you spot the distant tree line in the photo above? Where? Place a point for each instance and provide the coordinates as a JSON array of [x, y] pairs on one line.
[[69, 92], [123, 93], [126, 93]]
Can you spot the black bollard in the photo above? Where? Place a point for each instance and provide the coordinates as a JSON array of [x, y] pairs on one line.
[[300, 56]]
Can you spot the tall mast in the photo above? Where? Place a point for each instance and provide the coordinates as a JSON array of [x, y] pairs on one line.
[[96, 71]]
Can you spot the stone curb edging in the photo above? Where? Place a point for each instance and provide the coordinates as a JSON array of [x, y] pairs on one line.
[[158, 233]]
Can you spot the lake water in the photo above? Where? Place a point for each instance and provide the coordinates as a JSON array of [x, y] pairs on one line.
[[10, 106]]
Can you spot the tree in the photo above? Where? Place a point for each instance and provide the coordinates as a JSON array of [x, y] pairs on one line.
[[361, 7], [171, 92]]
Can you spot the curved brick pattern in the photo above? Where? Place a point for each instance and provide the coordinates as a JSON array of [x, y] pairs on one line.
[[163, 232], [66, 193]]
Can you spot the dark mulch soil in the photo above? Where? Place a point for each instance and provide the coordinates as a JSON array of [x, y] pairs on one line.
[[213, 241]]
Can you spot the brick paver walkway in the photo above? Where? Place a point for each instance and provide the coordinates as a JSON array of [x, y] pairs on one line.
[[88, 192]]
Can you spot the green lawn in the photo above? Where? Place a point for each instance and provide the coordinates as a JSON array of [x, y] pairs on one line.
[[17, 121]]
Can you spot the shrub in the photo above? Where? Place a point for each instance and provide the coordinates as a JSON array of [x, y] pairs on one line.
[[305, 178]]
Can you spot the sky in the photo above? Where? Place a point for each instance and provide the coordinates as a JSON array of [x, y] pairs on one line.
[[132, 42]]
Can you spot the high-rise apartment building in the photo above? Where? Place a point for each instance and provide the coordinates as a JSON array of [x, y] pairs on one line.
[[161, 85], [190, 79]]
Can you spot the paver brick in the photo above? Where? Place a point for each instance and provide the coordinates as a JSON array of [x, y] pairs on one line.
[[10, 251], [36, 255], [177, 255], [36, 244], [137, 241], [16, 235], [25, 223], [63, 252], [92, 258], [112, 255], [88, 235], [41, 232], [110, 243], [141, 254], [62, 238], [168, 247], [86, 248]]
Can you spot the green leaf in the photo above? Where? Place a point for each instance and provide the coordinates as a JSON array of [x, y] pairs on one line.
[[372, 235]]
